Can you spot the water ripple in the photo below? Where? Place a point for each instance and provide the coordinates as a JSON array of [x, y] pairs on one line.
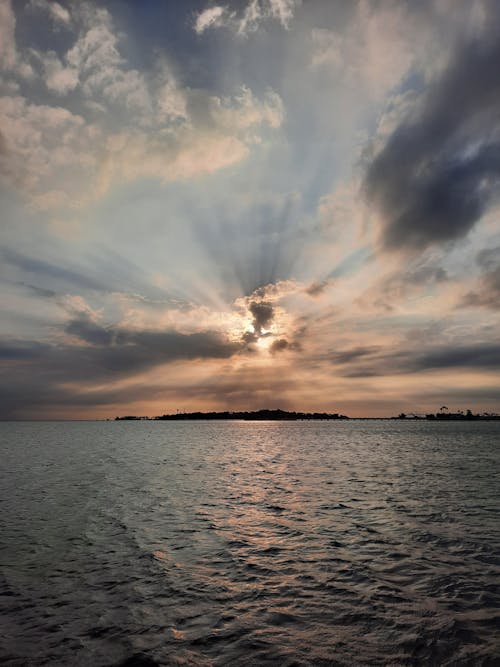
[[354, 543]]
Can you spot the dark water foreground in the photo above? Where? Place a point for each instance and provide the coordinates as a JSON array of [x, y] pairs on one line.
[[240, 543]]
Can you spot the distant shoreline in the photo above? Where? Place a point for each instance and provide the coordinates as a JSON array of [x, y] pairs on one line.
[[283, 415], [183, 418]]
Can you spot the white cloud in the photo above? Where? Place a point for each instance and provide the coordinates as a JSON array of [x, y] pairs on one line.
[[95, 48], [102, 70], [246, 111], [11, 60], [62, 160], [58, 78], [376, 50], [283, 10], [189, 153], [171, 100], [40, 142], [217, 133], [252, 16], [57, 12], [8, 51], [254, 13], [209, 18], [50, 200]]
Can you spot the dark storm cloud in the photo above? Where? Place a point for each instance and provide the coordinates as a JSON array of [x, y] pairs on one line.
[[263, 314], [468, 356], [36, 291], [487, 294], [317, 288], [23, 398], [279, 345], [115, 350], [88, 331], [439, 171], [282, 344], [472, 394], [374, 362], [43, 371], [22, 350], [32, 389], [347, 356]]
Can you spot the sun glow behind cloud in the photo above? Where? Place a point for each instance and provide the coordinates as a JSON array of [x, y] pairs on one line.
[[249, 206]]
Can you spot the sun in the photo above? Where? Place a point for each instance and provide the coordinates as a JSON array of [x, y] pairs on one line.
[[264, 342], [241, 327]]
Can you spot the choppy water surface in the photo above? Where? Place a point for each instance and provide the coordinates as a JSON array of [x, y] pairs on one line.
[[228, 543]]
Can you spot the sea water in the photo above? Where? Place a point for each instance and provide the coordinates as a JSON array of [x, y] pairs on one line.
[[250, 543]]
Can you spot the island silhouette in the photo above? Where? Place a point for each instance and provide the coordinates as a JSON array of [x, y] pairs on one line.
[[257, 415]]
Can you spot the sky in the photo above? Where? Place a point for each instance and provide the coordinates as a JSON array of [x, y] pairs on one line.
[[257, 204]]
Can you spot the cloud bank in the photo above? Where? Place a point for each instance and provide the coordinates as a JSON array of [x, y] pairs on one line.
[[439, 170]]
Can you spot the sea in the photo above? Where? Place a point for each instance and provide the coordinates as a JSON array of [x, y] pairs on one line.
[[250, 543]]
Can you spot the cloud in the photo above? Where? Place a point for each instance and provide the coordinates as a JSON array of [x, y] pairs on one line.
[[122, 350], [218, 134], [65, 160], [169, 100], [58, 13], [352, 354], [440, 168], [8, 50], [247, 21], [41, 395], [94, 354], [35, 290], [374, 51], [103, 72], [86, 329], [267, 320], [41, 141], [279, 345], [487, 292], [21, 350], [104, 273], [43, 269], [481, 356], [467, 394], [213, 17], [263, 314], [274, 291], [421, 276], [378, 361], [283, 10], [58, 78], [256, 284], [11, 60], [317, 288]]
